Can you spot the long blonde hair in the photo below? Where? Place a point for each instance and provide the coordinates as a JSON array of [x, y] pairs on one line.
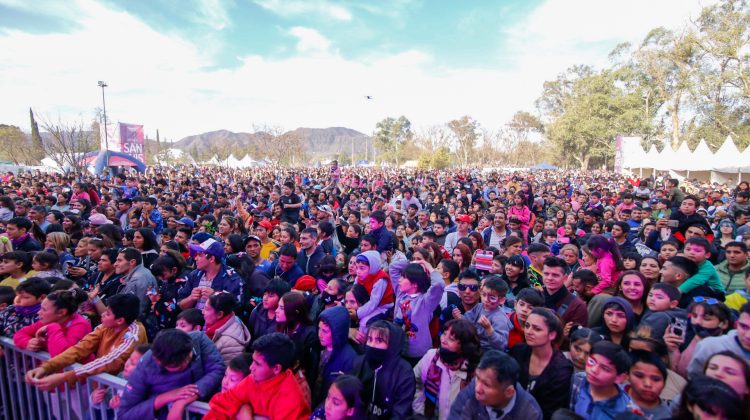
[[60, 241]]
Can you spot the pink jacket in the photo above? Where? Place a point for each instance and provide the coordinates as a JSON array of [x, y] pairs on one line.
[[524, 216], [59, 337], [607, 272]]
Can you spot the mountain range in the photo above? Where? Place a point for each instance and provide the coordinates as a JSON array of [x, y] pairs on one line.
[[317, 142]]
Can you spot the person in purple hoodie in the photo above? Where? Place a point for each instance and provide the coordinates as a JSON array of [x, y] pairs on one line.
[[418, 289]]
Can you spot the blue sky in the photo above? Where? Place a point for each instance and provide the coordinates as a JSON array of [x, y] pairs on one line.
[[187, 67]]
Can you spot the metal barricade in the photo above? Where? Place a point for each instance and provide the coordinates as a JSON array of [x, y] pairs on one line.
[[23, 401]]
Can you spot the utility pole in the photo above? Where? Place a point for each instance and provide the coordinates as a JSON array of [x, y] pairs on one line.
[[102, 85]]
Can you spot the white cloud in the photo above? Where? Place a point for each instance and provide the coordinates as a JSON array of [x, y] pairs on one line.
[[310, 39], [162, 81], [214, 13], [295, 8]]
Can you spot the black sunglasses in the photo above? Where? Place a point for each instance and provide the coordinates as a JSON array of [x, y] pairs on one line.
[[472, 287]]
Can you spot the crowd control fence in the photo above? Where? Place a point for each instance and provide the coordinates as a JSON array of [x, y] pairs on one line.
[[22, 401]]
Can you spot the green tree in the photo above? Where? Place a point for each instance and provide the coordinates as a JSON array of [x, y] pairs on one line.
[[441, 159], [589, 110], [390, 136], [666, 60], [721, 87]]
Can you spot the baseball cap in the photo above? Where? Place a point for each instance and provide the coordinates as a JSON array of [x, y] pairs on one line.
[[209, 246], [187, 222], [305, 283], [266, 225], [201, 237], [463, 218], [251, 238], [326, 208], [99, 219]]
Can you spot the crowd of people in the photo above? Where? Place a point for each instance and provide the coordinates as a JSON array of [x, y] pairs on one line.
[[376, 293]]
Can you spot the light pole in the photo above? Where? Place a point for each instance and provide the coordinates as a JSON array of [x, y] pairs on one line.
[[102, 85]]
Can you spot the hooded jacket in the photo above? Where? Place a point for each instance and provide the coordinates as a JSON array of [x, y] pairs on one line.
[[629, 326], [381, 292], [138, 282], [659, 321], [342, 356], [148, 380], [231, 339], [421, 308], [389, 389]]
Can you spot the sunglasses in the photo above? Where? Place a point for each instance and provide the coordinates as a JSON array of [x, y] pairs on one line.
[[710, 301], [472, 287]]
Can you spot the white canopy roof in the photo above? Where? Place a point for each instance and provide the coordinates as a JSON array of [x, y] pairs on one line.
[[702, 158], [651, 158], [728, 157], [666, 159]]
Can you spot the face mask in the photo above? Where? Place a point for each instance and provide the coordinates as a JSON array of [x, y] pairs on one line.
[[704, 332], [375, 357], [449, 357], [327, 297]]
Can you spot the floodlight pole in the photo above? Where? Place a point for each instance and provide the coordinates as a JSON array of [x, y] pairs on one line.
[[103, 84]]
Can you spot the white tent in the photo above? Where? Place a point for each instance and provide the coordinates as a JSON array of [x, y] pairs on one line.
[[231, 162], [682, 157], [652, 157], [702, 158], [728, 157], [248, 162], [666, 159], [213, 161], [724, 165]]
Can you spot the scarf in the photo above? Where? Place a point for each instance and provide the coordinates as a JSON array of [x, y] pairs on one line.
[[18, 241], [28, 310], [432, 385], [551, 301], [211, 329]]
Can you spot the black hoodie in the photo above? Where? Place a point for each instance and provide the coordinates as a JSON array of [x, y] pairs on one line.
[[388, 390]]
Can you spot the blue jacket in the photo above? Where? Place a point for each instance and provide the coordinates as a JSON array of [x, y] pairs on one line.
[[383, 238], [148, 380], [584, 405], [342, 357], [309, 265], [226, 280], [290, 276]]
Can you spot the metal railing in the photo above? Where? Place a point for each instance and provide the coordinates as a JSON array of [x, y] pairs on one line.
[[23, 401]]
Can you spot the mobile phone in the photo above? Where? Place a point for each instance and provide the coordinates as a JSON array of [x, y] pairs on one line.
[[678, 326], [673, 223]]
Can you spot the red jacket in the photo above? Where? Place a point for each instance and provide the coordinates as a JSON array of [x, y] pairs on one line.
[[278, 398], [515, 336], [369, 283], [59, 337]]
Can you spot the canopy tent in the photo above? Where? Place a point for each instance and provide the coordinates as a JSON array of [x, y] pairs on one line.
[[728, 157], [97, 160], [666, 159], [727, 163], [213, 161], [247, 162]]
